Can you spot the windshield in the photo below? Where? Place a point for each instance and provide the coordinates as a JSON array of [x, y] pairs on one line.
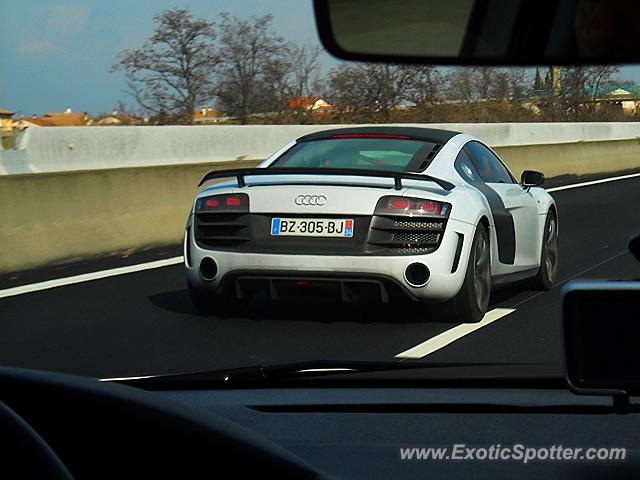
[[370, 153], [505, 184]]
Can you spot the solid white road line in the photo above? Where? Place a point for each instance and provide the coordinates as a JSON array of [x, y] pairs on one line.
[[86, 277], [594, 182], [453, 334]]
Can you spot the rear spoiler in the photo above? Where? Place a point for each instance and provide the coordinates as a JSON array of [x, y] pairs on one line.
[[240, 173]]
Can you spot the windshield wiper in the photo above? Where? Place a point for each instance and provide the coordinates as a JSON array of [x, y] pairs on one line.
[[290, 371]]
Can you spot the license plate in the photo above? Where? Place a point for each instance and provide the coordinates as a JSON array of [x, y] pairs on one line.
[[316, 227]]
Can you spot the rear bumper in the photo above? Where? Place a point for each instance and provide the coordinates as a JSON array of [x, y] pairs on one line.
[[447, 266]]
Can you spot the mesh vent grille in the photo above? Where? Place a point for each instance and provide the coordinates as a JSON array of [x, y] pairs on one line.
[[413, 250], [418, 224], [416, 237]]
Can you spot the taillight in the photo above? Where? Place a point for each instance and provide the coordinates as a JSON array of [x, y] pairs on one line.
[[399, 204], [233, 202], [430, 207], [412, 207]]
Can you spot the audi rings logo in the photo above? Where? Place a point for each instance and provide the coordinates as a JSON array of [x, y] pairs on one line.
[[317, 200]]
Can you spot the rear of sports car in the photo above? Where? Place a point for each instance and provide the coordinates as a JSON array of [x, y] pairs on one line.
[[347, 216], [342, 240]]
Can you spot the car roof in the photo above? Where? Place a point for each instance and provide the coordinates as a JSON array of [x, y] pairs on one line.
[[433, 135]]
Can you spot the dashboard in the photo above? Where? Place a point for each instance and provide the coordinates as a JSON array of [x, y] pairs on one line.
[[105, 430]]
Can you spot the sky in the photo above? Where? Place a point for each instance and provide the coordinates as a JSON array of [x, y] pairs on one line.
[[57, 53]]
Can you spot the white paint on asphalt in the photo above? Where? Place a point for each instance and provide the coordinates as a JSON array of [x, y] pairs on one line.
[[120, 379], [456, 333], [593, 182], [87, 277]]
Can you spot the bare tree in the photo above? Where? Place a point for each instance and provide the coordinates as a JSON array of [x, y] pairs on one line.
[[372, 89], [251, 55], [580, 87], [172, 72], [600, 75], [304, 62], [574, 92], [519, 83], [488, 83], [425, 89], [489, 94], [485, 83], [461, 84], [304, 78], [277, 89]]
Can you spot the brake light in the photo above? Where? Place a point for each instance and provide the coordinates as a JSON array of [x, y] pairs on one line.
[[431, 207], [370, 135], [410, 206], [399, 204], [238, 202]]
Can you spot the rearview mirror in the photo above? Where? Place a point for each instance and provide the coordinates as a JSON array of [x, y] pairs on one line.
[[601, 331], [480, 32], [531, 178], [634, 247]]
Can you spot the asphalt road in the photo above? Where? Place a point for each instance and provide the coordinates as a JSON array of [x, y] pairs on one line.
[[144, 324]]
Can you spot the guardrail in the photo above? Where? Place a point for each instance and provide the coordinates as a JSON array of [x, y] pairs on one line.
[[59, 216]]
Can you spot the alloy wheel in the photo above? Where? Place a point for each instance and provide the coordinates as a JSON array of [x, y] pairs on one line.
[[482, 272]]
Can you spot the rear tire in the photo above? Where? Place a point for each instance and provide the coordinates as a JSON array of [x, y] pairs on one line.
[[546, 275], [209, 303], [472, 301]]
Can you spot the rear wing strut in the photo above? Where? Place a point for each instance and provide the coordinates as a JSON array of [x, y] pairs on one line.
[[240, 173]]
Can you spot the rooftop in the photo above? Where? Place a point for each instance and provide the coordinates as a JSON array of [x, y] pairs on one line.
[[615, 89], [42, 122]]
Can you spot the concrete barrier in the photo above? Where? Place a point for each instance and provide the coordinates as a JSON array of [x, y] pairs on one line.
[[575, 158], [56, 149], [57, 217], [61, 216]]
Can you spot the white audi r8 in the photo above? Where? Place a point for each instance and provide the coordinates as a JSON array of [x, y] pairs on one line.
[[372, 213]]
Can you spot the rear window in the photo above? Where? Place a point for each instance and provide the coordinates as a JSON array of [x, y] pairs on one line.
[[367, 153]]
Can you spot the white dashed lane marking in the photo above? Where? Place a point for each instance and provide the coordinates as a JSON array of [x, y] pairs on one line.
[[456, 333]]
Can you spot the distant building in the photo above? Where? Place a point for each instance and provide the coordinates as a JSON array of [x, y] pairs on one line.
[[6, 122], [27, 122], [68, 118], [310, 104], [119, 120], [54, 119], [623, 96]]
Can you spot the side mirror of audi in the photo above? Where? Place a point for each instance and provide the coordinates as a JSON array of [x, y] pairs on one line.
[[531, 178]]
